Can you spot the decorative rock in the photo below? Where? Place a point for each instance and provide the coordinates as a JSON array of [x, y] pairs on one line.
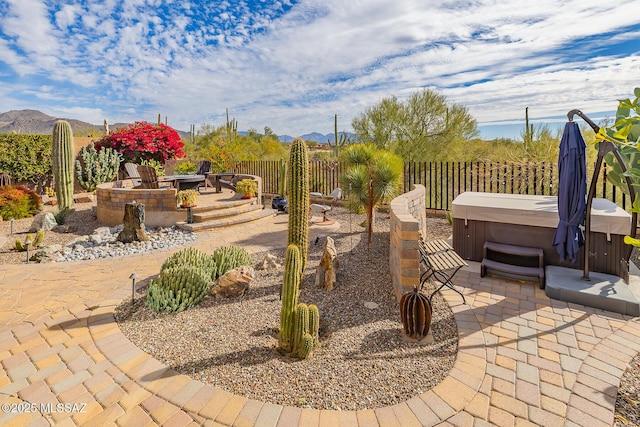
[[371, 305], [43, 221], [133, 224], [66, 228], [102, 231], [269, 262], [234, 283], [326, 271]]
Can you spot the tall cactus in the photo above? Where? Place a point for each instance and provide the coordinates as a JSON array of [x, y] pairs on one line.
[[290, 290], [62, 154], [339, 141], [282, 179], [298, 193]]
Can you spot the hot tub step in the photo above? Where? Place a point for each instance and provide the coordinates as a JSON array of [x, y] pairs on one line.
[[533, 273], [521, 261]]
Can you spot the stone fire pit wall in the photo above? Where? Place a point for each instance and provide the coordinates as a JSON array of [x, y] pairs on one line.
[[161, 208], [407, 221]]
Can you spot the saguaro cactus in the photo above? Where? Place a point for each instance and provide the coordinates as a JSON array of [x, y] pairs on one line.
[[282, 179], [290, 290], [340, 140], [298, 193], [62, 154]]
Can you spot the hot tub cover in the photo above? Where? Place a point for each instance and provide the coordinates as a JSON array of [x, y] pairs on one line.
[[537, 211]]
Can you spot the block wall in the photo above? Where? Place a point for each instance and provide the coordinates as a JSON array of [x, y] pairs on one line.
[[407, 222]]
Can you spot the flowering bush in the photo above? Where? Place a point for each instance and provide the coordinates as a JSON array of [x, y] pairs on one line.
[[219, 158], [18, 202], [144, 141]]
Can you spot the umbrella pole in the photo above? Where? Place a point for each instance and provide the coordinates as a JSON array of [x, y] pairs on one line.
[[604, 147]]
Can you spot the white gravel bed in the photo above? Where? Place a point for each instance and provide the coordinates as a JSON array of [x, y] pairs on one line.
[[363, 361]]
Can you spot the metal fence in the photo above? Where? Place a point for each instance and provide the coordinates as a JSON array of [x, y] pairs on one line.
[[445, 180]]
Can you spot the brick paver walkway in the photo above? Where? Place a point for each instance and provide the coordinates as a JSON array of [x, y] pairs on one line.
[[523, 359]]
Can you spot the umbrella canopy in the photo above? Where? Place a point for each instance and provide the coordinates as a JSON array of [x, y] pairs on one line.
[[572, 191]]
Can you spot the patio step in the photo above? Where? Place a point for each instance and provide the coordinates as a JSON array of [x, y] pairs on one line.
[[223, 205], [227, 220], [218, 212]]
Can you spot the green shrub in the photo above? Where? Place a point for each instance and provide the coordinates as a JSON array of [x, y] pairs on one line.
[[26, 157], [18, 202], [156, 165], [61, 215], [185, 167]]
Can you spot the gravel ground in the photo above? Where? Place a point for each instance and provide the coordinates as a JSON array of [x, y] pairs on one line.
[[362, 362], [79, 222]]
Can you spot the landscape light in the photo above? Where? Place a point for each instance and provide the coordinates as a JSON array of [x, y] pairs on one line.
[[133, 286], [27, 242]]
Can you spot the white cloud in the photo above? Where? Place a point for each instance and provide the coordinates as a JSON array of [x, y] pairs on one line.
[[293, 71], [66, 16]]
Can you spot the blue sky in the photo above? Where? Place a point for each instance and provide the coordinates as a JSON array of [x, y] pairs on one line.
[[291, 65]]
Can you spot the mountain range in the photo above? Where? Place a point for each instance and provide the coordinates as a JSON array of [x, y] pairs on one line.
[[36, 122]]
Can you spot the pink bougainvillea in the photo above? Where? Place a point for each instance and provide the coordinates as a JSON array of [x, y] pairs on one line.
[[144, 141]]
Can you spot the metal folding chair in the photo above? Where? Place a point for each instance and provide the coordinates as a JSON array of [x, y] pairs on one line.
[[442, 262]]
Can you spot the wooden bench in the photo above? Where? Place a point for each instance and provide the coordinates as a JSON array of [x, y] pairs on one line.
[[521, 261], [442, 262]]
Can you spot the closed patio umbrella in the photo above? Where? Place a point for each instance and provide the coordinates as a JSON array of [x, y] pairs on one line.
[[572, 190]]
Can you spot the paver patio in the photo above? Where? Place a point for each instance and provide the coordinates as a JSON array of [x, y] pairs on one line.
[[523, 359]]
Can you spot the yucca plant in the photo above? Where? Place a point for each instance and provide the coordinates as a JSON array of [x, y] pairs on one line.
[[373, 177]]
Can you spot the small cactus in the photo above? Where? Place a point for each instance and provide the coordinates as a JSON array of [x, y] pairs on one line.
[[230, 257], [314, 323], [300, 327], [35, 241], [194, 258], [178, 288]]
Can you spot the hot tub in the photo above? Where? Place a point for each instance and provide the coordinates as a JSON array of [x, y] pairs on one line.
[[525, 220]]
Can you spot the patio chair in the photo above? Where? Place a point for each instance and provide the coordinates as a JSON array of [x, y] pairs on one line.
[[149, 178], [5, 179], [322, 208], [204, 167], [134, 175]]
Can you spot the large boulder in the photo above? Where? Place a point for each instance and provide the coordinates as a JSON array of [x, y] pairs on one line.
[[43, 221], [234, 283]]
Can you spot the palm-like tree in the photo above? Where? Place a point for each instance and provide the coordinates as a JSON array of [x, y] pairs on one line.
[[373, 176]]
